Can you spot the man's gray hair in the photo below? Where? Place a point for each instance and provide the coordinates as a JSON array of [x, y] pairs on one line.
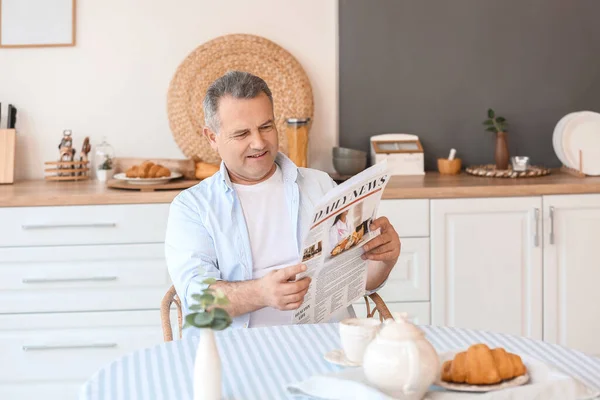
[[239, 85]]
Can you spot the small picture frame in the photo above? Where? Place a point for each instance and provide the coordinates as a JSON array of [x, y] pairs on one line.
[[37, 23]]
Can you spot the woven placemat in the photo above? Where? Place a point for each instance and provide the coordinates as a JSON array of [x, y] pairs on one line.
[[490, 171], [292, 92]]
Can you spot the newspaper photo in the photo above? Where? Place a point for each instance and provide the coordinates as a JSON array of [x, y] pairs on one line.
[[333, 246]]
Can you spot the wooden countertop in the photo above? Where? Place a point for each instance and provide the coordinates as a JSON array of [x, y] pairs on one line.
[[431, 186]]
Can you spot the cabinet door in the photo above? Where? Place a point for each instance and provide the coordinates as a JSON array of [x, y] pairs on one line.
[[572, 271], [52, 354], [409, 280], [486, 263]]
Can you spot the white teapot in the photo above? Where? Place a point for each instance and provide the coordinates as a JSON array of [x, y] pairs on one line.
[[399, 361]]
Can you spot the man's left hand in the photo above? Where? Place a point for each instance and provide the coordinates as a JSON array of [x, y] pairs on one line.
[[386, 246]]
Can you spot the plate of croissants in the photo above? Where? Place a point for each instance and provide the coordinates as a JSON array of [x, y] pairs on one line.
[[481, 369], [147, 173]]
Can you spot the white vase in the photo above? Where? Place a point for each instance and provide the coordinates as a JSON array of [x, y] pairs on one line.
[[104, 174], [207, 368]]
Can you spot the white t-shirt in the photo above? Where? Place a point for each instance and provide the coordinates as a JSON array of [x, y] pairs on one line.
[[272, 238]]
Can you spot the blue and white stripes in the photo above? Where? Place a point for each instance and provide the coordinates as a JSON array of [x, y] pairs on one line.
[[258, 363]]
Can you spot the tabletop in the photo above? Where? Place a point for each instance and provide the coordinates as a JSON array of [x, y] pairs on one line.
[[258, 363]]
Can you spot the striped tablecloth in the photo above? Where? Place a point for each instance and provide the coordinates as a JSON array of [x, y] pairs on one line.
[[258, 363]]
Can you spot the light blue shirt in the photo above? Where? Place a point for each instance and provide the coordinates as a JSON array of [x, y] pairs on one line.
[[207, 229]]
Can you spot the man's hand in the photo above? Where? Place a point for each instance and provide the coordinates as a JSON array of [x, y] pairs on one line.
[[279, 290], [386, 246]]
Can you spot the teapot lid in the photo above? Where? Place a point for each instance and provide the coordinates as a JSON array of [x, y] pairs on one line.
[[400, 328]]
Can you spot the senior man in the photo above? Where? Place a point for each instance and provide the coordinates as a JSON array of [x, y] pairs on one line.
[[244, 225]]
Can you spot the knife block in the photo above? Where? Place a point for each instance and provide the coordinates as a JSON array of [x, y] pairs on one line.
[[7, 155]]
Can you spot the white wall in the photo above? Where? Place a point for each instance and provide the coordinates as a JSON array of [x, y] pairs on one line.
[[115, 81]]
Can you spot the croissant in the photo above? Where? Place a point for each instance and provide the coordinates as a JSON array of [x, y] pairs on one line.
[[148, 169], [480, 365]]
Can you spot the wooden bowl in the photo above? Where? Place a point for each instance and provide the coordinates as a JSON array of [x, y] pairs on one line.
[[449, 167]]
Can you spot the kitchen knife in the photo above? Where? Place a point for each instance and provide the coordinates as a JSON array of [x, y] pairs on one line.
[[8, 116], [12, 116]]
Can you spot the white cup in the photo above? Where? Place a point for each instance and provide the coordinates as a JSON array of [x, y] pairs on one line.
[[356, 334]]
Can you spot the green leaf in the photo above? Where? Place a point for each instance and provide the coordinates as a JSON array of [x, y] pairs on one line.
[[500, 119], [491, 129], [203, 318], [223, 301], [209, 281], [197, 297], [488, 122], [491, 113], [196, 307], [189, 319], [207, 298], [221, 314], [220, 324]]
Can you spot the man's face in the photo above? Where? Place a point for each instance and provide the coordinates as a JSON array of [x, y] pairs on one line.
[[247, 140]]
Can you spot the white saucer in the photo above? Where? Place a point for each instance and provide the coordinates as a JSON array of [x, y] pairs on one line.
[[338, 357]]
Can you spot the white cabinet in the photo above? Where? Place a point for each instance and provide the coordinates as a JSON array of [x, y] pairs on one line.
[[49, 356], [572, 271], [486, 257], [79, 287], [100, 278]]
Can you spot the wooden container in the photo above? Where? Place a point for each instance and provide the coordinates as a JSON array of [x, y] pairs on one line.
[[7, 155], [67, 170], [449, 167]]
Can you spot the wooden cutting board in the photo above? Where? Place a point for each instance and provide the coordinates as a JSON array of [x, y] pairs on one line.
[[177, 184]]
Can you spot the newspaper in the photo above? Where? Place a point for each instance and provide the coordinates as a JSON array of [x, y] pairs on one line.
[[333, 246]]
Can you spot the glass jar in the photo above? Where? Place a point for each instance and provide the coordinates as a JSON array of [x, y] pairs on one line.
[[104, 160], [297, 137]]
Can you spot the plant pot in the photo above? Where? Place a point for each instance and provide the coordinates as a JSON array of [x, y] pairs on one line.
[[501, 154], [207, 368], [104, 174]]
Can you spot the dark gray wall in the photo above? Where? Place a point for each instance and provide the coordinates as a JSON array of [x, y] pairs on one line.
[[433, 68]]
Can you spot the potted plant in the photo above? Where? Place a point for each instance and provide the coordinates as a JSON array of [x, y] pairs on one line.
[[104, 171], [209, 317], [498, 125]]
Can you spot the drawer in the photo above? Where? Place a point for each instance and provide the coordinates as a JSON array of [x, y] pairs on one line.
[[418, 313], [45, 226], [82, 278], [409, 279], [69, 348], [410, 217]]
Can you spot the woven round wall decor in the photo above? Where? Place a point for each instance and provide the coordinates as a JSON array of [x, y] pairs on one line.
[[292, 92]]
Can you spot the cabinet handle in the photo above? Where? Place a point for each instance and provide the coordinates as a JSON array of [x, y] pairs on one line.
[[52, 226], [536, 238], [68, 346], [57, 280], [551, 225]]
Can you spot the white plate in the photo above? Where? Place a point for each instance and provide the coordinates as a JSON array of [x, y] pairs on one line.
[[338, 357], [582, 132], [464, 387], [146, 181], [557, 137]]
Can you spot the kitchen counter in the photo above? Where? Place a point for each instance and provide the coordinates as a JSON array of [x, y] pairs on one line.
[[431, 186]]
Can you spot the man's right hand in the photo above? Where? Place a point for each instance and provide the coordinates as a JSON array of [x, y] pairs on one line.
[[278, 289]]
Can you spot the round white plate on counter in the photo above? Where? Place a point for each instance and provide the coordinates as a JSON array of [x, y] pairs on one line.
[[581, 132], [146, 181]]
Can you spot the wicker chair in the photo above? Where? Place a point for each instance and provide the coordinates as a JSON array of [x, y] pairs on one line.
[[165, 313], [171, 297]]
